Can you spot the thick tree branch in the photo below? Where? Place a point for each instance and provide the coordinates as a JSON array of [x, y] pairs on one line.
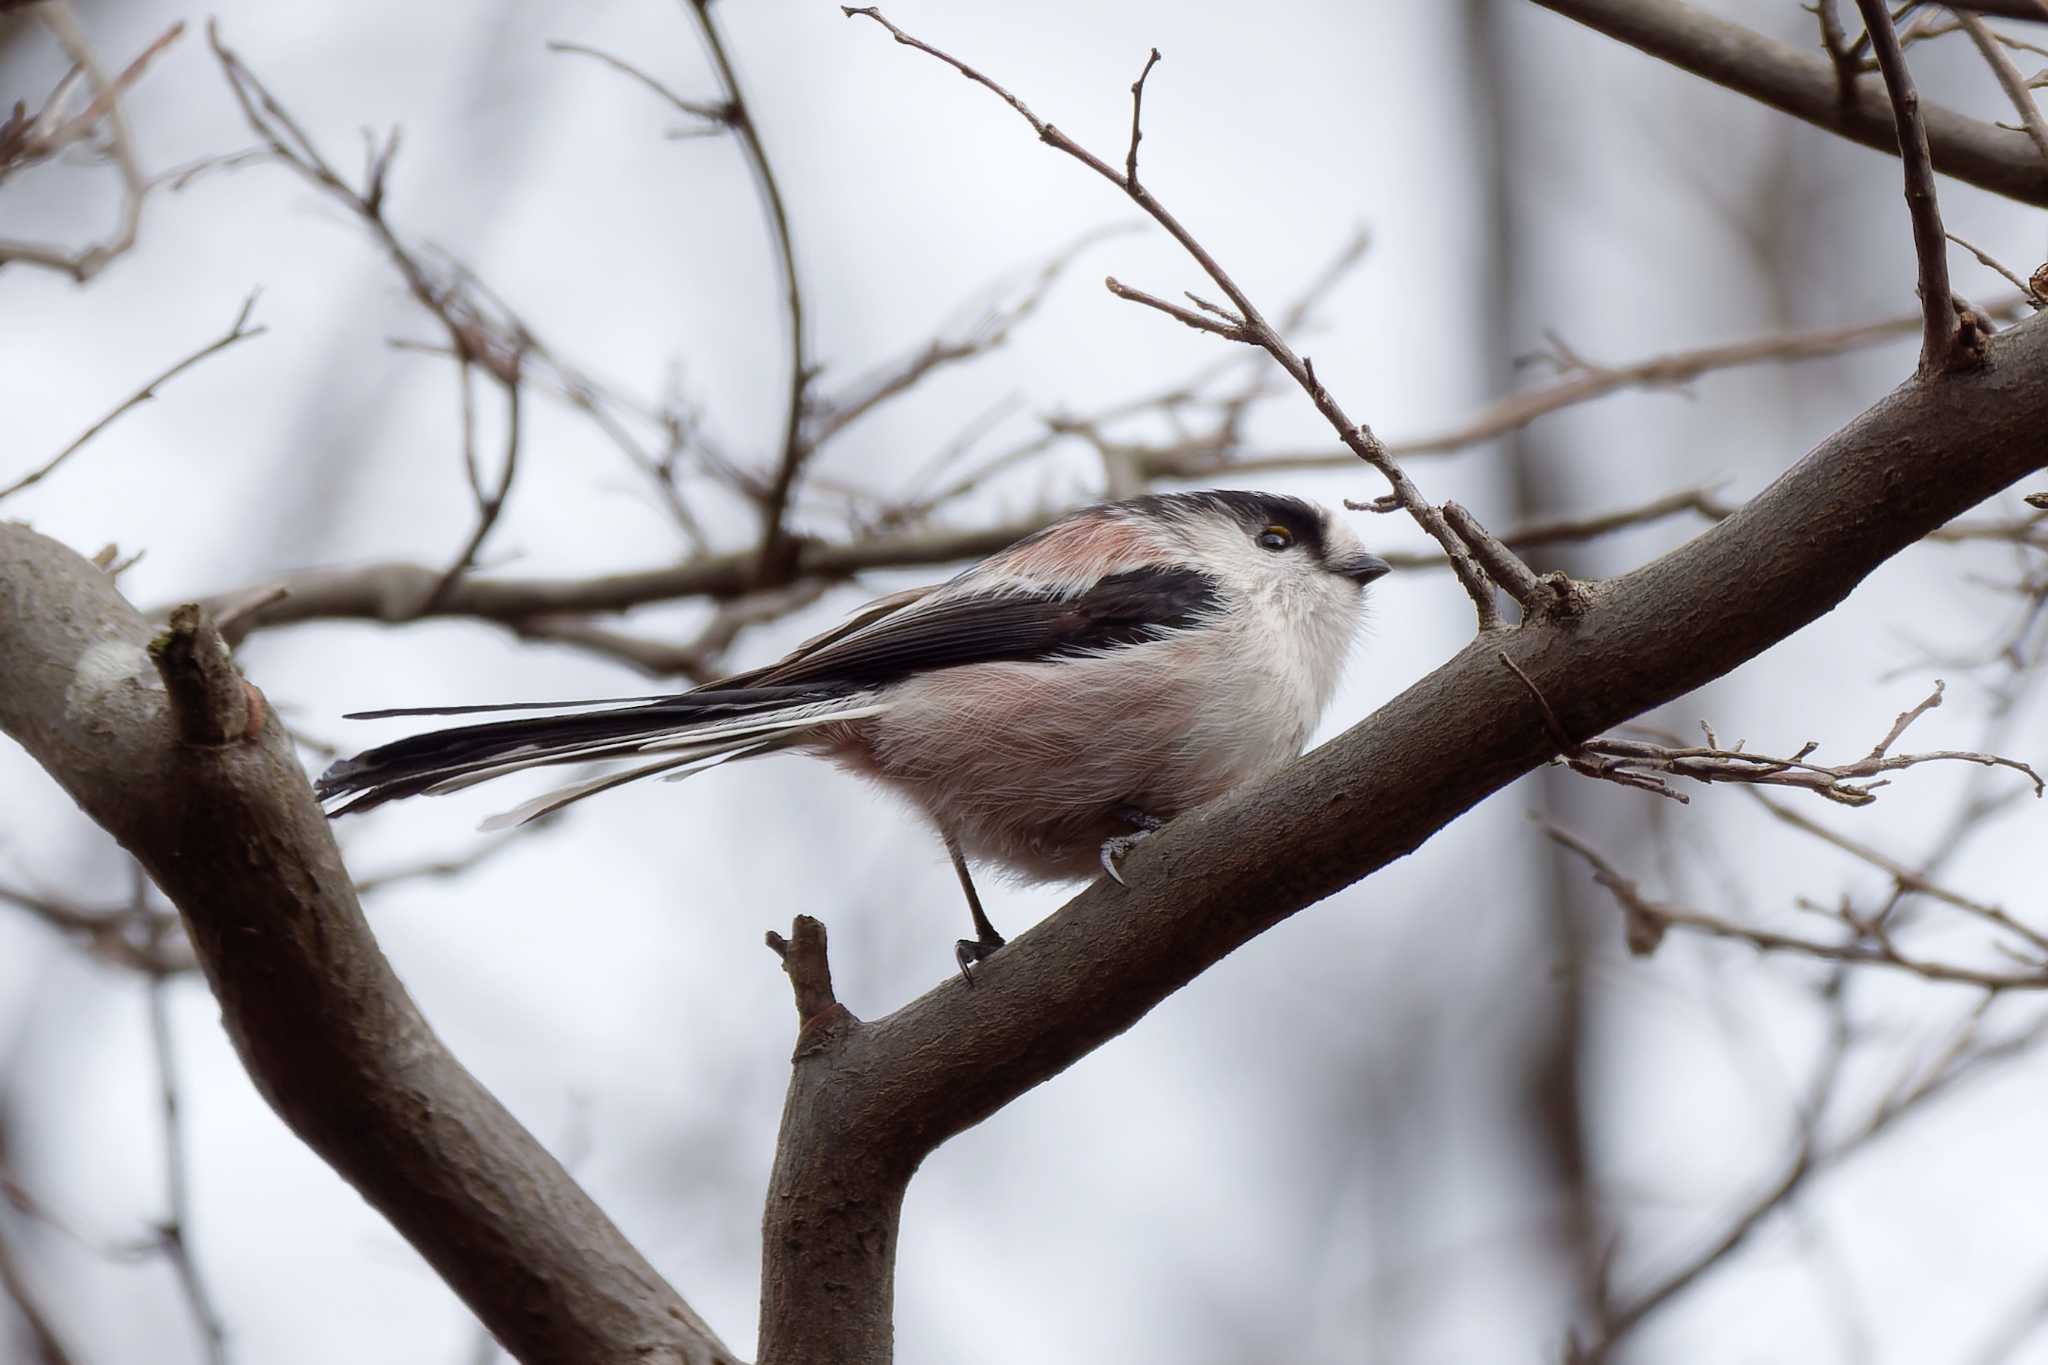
[[225, 823], [880, 1096], [1805, 85]]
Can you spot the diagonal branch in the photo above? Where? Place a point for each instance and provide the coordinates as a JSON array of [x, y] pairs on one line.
[[877, 1097], [1806, 86], [238, 331], [2009, 79]]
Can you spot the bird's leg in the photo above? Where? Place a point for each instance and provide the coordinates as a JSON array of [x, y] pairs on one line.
[[986, 940], [1143, 825]]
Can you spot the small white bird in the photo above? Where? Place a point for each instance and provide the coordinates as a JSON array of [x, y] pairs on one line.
[[1046, 708]]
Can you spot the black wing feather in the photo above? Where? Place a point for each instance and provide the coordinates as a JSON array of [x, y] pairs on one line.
[[1123, 609]]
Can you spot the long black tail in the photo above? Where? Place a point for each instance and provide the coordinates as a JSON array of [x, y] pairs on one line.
[[693, 728]]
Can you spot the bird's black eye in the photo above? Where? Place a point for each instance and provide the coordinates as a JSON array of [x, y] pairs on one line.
[[1275, 538]]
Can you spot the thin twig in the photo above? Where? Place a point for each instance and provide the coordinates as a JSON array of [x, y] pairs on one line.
[[1645, 922], [1907, 878], [775, 541], [1137, 120], [1964, 1059], [698, 660], [489, 506], [2009, 79], [1834, 42], [716, 114], [1939, 326], [43, 1337], [481, 331], [832, 415], [1229, 328], [1848, 784], [81, 266], [1515, 411], [1992, 263], [176, 1228], [1502, 564], [238, 331], [1358, 438]]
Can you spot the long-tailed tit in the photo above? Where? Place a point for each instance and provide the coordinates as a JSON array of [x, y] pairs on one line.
[[1046, 708]]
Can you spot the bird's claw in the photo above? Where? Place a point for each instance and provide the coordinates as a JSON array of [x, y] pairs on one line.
[[1113, 850], [968, 951]]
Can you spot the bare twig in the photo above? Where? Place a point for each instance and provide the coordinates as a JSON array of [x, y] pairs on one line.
[[48, 133], [1137, 124], [2035, 10], [1503, 565], [489, 504], [2009, 79], [176, 1228], [35, 1316], [717, 115], [1940, 329], [1963, 1059], [831, 415], [775, 540], [1990, 262], [107, 933], [1848, 784], [238, 331], [1515, 411], [437, 869], [1833, 41], [482, 333], [1645, 922], [1228, 327], [1359, 439], [1908, 879], [699, 659]]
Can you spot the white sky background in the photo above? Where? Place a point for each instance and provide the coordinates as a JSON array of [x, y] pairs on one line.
[[1308, 1155]]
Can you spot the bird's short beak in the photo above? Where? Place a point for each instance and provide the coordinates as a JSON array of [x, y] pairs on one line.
[[1362, 569]]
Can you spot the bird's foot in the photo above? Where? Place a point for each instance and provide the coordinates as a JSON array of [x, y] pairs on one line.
[[1114, 848], [969, 951]]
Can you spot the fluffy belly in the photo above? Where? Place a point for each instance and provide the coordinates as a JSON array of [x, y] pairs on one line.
[[1032, 766]]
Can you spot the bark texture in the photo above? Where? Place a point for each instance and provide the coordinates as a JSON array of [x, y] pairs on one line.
[[160, 741]]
